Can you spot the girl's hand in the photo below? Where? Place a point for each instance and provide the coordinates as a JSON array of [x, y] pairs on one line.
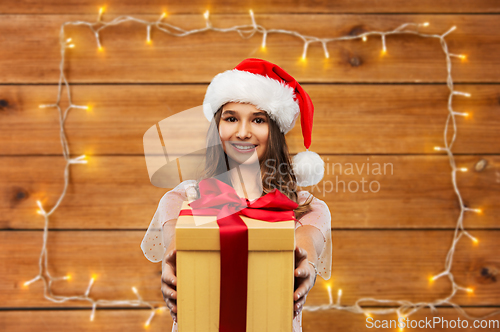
[[169, 283], [305, 276]]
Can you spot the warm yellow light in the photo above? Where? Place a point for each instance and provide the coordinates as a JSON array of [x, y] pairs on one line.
[[149, 41], [463, 169], [68, 277], [68, 40], [94, 276], [367, 314], [475, 240], [426, 24], [163, 15], [101, 48], [339, 293], [469, 290], [134, 290], [478, 211], [146, 325], [101, 10], [303, 58], [71, 45], [462, 56], [251, 12], [26, 284], [384, 51], [432, 278], [364, 38], [206, 14]]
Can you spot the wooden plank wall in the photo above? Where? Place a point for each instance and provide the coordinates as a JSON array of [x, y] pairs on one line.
[[369, 109]]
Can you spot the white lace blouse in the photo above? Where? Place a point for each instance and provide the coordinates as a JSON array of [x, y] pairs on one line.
[[170, 206]]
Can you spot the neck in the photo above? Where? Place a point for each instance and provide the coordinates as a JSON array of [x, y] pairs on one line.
[[246, 179]]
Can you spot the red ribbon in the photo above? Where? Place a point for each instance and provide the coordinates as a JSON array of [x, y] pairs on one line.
[[220, 199]]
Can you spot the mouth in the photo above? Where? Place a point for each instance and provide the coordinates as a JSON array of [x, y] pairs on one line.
[[244, 147]]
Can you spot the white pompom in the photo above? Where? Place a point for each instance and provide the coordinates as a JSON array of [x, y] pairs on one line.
[[308, 167]]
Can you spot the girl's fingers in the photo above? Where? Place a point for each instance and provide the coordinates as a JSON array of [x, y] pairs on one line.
[[168, 276], [174, 316], [302, 270], [300, 253], [298, 305], [171, 257], [171, 261]]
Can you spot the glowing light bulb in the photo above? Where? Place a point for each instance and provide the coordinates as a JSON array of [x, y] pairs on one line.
[[432, 278], [469, 290], [67, 277], [367, 314], [330, 297], [68, 40], [101, 48], [475, 240], [71, 45], [134, 290], [462, 56], [426, 24], [463, 169], [94, 277], [364, 38], [206, 14], [163, 15]]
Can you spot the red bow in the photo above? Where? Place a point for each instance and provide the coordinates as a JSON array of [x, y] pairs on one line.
[[218, 198]]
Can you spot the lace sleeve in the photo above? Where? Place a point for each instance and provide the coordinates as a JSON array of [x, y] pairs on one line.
[[320, 218], [168, 209]]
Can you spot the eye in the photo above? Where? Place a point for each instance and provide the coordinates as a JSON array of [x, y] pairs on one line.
[[259, 120], [230, 119]]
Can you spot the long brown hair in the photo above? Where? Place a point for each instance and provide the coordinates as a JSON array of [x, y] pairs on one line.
[[275, 167]]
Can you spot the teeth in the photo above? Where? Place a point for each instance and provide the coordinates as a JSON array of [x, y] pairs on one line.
[[244, 147]]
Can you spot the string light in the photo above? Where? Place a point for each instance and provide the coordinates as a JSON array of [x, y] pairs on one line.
[[330, 297], [404, 309]]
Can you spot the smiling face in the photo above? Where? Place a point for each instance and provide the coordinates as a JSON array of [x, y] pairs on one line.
[[244, 132]]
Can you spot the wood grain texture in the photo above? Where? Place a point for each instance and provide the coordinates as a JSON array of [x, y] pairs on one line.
[[348, 119], [383, 264], [127, 58], [115, 192], [388, 109], [114, 320], [260, 6]]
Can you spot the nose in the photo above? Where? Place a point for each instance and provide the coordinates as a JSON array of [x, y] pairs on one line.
[[243, 130]]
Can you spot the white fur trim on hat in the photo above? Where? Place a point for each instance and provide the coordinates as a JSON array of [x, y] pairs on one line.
[[267, 94], [308, 167]]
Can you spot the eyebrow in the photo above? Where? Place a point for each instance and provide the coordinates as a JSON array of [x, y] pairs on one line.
[[233, 113]]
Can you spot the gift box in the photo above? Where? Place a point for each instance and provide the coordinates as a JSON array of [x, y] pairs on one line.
[[270, 283]]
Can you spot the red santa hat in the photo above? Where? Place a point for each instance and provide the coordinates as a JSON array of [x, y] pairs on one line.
[[271, 89]]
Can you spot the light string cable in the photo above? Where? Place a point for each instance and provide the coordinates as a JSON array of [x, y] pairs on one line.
[[405, 308]]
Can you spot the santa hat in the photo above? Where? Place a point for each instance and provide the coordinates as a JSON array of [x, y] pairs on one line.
[[271, 89]]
